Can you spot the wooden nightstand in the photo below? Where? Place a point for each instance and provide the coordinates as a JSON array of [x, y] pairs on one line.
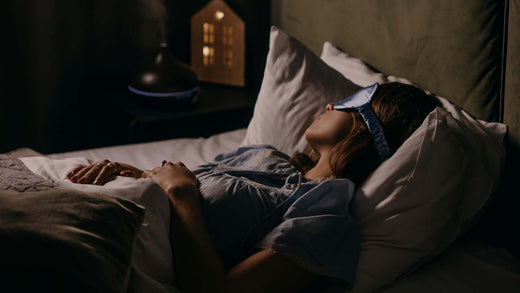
[[217, 109]]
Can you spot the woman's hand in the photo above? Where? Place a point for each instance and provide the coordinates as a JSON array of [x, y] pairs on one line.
[[179, 183], [100, 172]]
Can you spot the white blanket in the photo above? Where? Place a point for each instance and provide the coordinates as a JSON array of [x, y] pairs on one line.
[[152, 267]]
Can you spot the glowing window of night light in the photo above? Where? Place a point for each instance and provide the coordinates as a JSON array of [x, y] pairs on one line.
[[218, 44]]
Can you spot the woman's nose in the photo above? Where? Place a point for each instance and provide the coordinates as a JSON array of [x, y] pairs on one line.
[[329, 107]]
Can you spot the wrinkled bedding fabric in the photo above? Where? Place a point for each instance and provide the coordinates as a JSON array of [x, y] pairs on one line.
[[62, 240], [152, 263], [15, 176]]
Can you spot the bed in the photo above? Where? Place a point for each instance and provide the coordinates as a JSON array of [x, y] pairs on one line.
[[435, 217]]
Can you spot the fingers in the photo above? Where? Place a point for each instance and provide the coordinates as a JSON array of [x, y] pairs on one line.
[[146, 174], [178, 167], [100, 172], [91, 175], [105, 173], [164, 165], [74, 171], [80, 173], [97, 173], [129, 173], [178, 164]]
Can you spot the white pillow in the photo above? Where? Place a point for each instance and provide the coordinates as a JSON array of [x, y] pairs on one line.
[[355, 69], [352, 68], [486, 138], [296, 87], [408, 215], [408, 208]]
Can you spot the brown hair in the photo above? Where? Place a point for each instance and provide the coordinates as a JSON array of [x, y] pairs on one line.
[[400, 110]]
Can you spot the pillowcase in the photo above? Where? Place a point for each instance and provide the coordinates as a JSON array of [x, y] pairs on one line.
[[296, 87], [408, 208], [400, 223], [352, 68], [486, 153], [61, 240]]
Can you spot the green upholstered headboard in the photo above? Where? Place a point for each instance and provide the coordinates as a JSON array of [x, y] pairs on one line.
[[511, 88], [454, 48], [466, 51]]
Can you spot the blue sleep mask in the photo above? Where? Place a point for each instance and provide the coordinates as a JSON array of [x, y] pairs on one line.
[[361, 102]]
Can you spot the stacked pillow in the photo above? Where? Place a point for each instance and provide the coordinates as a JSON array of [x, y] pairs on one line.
[[296, 87], [418, 201], [483, 153], [485, 147]]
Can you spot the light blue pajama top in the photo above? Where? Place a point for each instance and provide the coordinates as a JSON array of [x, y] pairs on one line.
[[255, 199]]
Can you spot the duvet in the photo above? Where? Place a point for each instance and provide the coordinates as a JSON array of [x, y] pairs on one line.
[[59, 236]]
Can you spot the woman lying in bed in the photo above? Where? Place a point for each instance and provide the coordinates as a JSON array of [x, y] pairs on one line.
[[257, 220]]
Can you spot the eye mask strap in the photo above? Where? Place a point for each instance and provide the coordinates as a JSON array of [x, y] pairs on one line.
[[361, 102], [375, 130]]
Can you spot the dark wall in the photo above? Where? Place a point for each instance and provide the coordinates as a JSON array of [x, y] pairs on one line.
[[57, 51], [63, 60]]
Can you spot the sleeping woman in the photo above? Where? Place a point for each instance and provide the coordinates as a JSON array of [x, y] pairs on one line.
[[257, 220]]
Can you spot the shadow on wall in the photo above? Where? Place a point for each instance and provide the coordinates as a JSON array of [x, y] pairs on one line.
[[60, 54]]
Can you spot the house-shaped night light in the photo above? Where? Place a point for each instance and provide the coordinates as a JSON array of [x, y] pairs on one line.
[[218, 44]]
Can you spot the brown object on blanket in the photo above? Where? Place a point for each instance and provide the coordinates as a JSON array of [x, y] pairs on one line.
[[60, 240]]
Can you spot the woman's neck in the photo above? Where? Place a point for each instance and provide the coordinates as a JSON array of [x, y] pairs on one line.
[[321, 170]]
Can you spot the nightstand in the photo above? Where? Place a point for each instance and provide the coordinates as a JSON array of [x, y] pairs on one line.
[[217, 109]]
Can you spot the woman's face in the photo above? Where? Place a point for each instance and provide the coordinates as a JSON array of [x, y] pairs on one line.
[[329, 128]]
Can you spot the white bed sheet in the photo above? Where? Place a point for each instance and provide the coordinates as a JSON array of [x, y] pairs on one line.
[[191, 151]]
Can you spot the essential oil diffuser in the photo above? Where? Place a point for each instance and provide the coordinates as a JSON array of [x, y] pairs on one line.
[[165, 79]]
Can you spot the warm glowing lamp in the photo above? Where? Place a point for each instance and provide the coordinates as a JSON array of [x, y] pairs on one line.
[[218, 44]]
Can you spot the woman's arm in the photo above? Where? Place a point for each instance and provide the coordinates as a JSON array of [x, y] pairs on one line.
[[198, 263]]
